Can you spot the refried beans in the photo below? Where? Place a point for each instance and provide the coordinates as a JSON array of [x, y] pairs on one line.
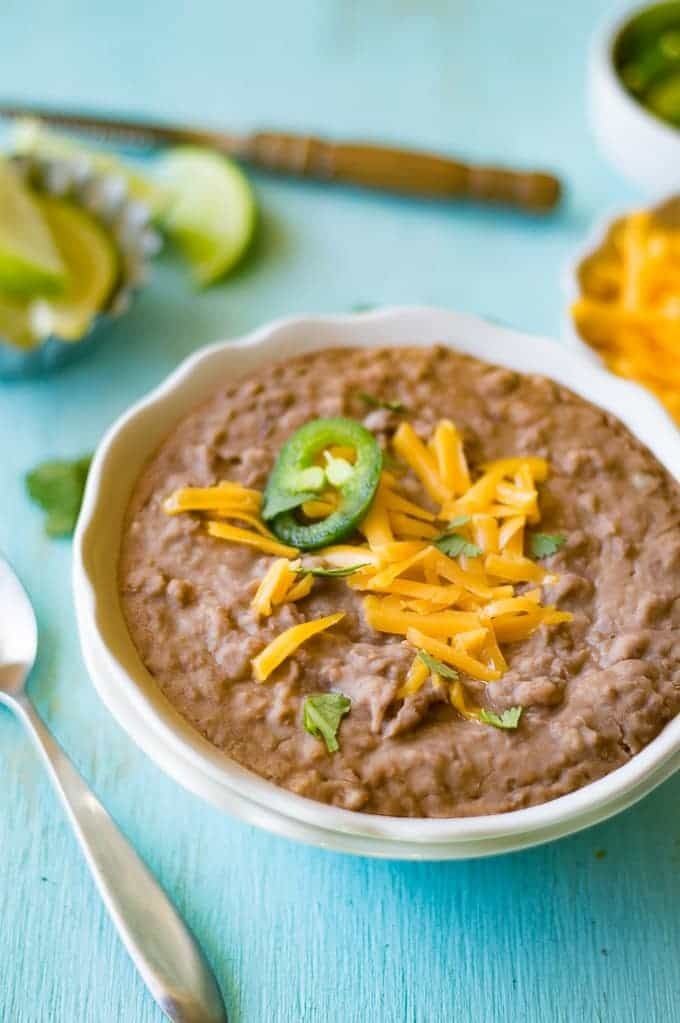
[[594, 691]]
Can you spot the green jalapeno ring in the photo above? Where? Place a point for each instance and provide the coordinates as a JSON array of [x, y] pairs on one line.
[[356, 493]]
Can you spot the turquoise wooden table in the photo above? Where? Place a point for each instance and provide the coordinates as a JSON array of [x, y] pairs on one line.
[[586, 929]]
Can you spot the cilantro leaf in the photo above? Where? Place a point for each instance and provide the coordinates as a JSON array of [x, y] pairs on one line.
[[437, 666], [507, 719], [58, 488], [322, 714], [279, 502], [545, 544], [335, 573], [454, 545], [302, 487], [373, 402]]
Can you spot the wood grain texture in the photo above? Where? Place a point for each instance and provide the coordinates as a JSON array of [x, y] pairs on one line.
[[553, 935]]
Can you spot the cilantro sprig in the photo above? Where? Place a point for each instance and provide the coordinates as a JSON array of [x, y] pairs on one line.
[[455, 544], [322, 714], [58, 487], [373, 402], [437, 666], [334, 573], [283, 502], [545, 544], [508, 719]]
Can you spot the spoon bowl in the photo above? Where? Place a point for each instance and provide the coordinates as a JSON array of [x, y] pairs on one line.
[[163, 949]]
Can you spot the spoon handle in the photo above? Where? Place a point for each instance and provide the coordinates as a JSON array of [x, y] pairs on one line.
[[160, 944]]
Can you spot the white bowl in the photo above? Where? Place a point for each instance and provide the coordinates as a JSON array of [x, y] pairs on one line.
[[645, 149], [135, 700], [571, 288]]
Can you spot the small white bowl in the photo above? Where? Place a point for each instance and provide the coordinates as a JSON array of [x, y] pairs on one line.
[[571, 287], [645, 149], [136, 701]]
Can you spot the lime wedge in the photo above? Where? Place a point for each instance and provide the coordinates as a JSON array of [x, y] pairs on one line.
[[30, 137], [91, 261], [29, 260], [212, 212]]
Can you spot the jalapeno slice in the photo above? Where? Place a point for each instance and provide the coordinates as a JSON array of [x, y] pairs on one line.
[[288, 485]]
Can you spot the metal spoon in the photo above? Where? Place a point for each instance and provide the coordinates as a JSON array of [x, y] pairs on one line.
[[160, 944]]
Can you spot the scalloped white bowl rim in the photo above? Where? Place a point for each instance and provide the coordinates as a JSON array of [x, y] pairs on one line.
[[134, 698]]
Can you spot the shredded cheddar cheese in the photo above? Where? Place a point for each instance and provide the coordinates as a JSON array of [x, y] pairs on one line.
[[275, 584], [431, 593], [286, 643], [538, 467], [479, 496], [387, 575], [253, 521], [376, 525], [491, 652], [510, 535], [448, 571], [515, 569], [404, 525], [397, 550], [452, 654], [512, 628], [508, 605], [223, 531], [384, 616], [415, 679], [301, 589], [396, 503], [629, 306], [485, 532], [223, 497], [473, 640], [457, 697], [318, 509], [411, 449], [447, 445]]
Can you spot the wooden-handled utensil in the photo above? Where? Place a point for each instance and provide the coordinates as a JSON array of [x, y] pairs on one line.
[[371, 166]]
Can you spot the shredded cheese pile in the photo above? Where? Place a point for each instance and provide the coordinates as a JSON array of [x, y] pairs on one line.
[[445, 580], [229, 502], [629, 309]]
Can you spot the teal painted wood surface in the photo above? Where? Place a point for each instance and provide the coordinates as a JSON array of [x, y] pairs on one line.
[[586, 929]]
